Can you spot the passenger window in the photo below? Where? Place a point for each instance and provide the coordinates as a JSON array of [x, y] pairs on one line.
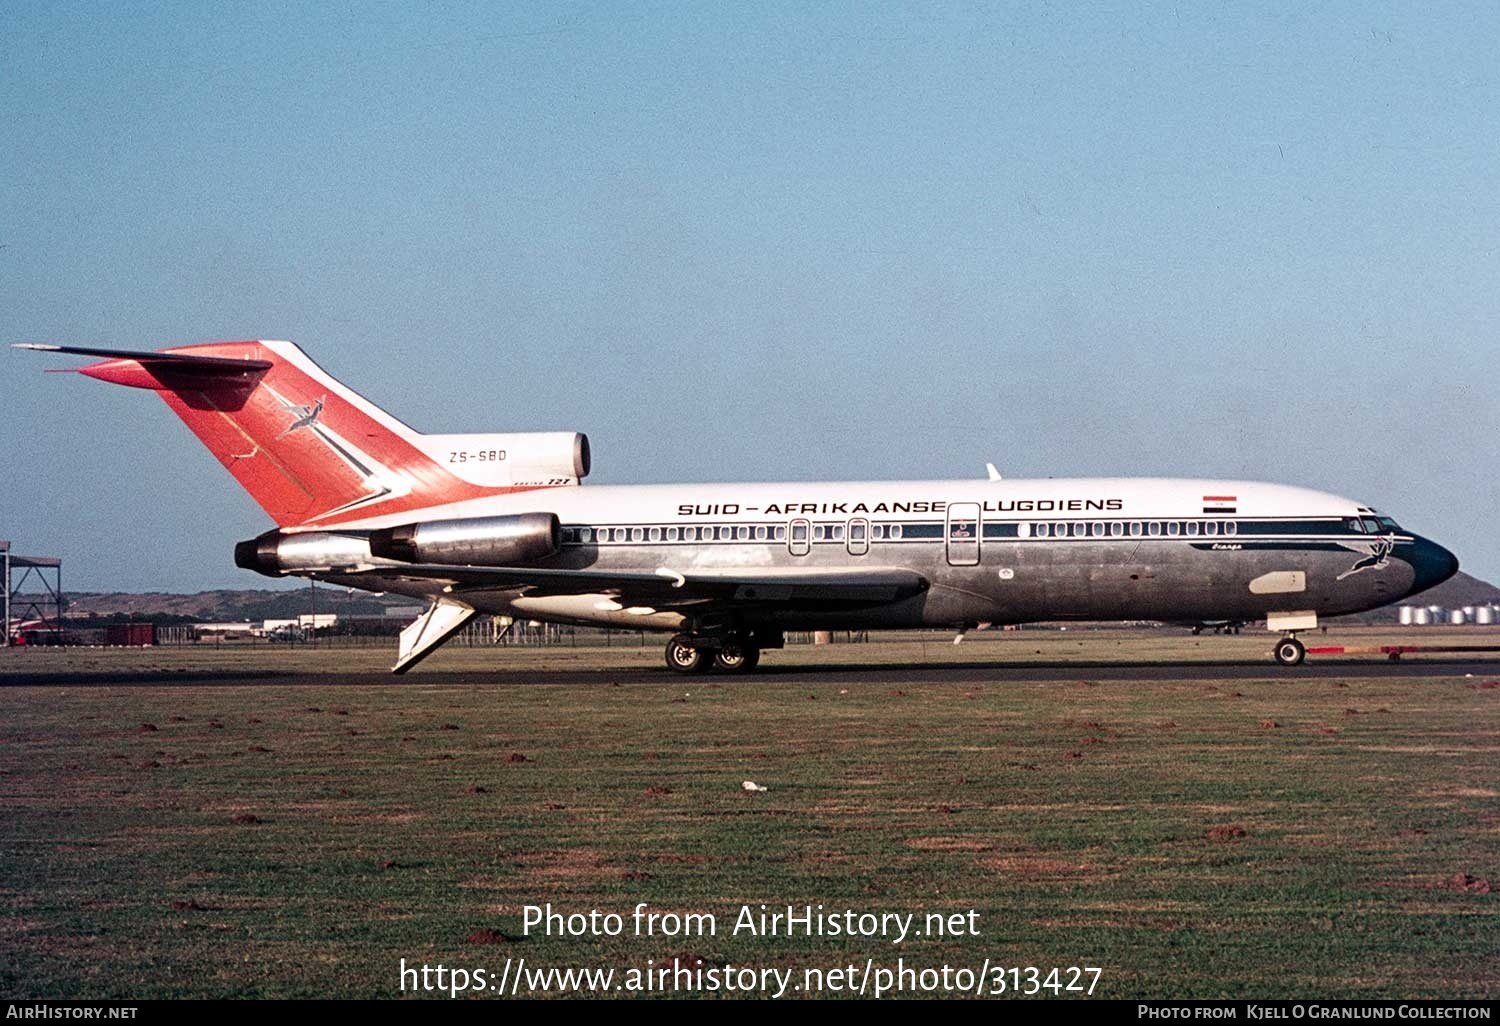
[[1210, 528], [1061, 530], [1153, 529], [781, 534], [1098, 528], [799, 532], [1040, 530], [1230, 527], [1192, 528], [654, 534], [1172, 529], [671, 534], [837, 532], [760, 533], [584, 534], [689, 534], [637, 534], [896, 532], [857, 531], [726, 533], [818, 532], [1135, 529], [1117, 529], [743, 533]]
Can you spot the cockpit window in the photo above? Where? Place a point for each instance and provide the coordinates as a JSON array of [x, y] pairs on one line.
[[1371, 526], [1388, 524], [1356, 525]]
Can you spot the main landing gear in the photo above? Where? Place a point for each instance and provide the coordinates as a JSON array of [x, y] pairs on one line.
[[685, 657], [1289, 651], [725, 653]]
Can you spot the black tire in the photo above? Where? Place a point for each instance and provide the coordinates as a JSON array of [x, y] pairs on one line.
[[1290, 652], [685, 657], [736, 657]]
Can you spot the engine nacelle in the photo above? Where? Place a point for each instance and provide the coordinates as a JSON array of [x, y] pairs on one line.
[[474, 541], [277, 553]]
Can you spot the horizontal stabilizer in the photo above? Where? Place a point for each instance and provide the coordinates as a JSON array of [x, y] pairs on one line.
[[179, 362]]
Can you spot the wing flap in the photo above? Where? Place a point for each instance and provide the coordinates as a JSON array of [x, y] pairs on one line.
[[666, 587]]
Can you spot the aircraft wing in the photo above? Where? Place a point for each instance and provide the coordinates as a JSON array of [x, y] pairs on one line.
[[666, 588]]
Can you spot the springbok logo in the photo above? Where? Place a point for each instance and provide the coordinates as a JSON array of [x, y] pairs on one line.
[[1379, 557], [378, 480], [306, 416]]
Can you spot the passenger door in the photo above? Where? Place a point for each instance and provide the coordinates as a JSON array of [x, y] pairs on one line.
[[963, 534]]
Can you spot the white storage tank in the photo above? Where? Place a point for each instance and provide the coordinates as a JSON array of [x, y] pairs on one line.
[[1406, 614], [1485, 615], [1423, 617], [1457, 618]]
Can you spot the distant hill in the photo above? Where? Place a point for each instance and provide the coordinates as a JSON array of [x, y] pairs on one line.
[[209, 606], [1461, 590]]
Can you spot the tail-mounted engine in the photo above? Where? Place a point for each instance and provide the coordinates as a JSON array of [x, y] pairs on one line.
[[538, 459], [515, 540], [475, 541]]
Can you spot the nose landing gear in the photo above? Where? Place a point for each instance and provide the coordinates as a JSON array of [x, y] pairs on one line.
[[1289, 651]]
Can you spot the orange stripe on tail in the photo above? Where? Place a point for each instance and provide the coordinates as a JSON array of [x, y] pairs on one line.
[[307, 449]]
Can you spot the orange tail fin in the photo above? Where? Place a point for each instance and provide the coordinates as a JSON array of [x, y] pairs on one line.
[[313, 453]]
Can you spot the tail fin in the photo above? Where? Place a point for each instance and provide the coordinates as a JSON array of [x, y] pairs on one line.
[[312, 452]]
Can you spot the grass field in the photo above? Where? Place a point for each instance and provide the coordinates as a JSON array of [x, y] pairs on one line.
[[1197, 838], [1079, 646]]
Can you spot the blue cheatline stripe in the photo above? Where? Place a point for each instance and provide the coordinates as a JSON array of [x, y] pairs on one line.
[[1247, 531]]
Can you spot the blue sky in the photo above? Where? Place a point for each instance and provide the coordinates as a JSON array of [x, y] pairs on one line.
[[772, 241]]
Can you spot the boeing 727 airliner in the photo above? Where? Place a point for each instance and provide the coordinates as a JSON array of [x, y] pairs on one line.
[[499, 523]]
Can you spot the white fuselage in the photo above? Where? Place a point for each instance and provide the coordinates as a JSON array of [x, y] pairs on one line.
[[994, 551]]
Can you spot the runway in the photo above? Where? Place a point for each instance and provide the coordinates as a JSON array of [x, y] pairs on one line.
[[824, 675]]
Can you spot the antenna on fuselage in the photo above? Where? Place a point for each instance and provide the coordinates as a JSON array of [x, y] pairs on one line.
[[990, 469]]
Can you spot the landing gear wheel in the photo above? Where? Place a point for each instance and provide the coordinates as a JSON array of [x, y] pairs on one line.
[[736, 657], [1290, 652], [685, 657]]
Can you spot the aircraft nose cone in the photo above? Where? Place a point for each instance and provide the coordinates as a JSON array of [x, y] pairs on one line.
[[1431, 565]]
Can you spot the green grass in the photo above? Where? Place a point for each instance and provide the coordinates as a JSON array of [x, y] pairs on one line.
[[1074, 817], [1080, 645]]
